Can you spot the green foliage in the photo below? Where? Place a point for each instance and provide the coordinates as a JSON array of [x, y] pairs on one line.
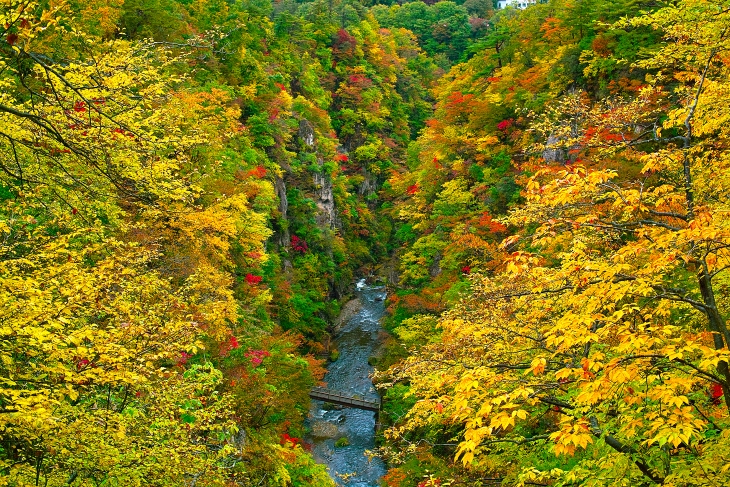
[[397, 402], [441, 28]]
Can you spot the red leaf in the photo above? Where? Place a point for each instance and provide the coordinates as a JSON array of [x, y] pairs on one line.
[[183, 358], [258, 172], [298, 244], [288, 440], [505, 124], [252, 279], [256, 356], [82, 363]]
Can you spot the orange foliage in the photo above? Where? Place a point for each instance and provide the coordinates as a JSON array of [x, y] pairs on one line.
[[601, 47], [553, 30], [395, 478], [492, 226]]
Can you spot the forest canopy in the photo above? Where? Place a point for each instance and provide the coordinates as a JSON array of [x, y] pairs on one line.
[[188, 190]]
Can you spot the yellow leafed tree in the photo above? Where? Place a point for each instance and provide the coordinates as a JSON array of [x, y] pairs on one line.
[[115, 261]]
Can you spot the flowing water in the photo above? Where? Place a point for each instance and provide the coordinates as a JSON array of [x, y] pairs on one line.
[[350, 374]]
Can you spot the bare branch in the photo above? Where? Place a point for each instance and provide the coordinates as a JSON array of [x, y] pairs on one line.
[[627, 449]]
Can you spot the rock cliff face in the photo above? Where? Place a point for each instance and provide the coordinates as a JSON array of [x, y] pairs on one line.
[[324, 199], [306, 133], [280, 187], [553, 151], [326, 216], [369, 184]]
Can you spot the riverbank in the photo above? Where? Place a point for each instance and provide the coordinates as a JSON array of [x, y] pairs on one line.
[[349, 309]]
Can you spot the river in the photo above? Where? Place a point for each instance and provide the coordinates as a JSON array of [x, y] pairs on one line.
[[350, 373]]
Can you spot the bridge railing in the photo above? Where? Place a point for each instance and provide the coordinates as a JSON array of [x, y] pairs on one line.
[[337, 397]]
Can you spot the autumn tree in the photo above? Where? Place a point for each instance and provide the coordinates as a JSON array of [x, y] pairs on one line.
[[121, 234], [603, 337]]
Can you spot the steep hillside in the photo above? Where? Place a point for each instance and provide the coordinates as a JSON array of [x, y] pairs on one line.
[[189, 188]]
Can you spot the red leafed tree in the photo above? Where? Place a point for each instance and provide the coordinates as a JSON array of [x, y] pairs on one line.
[[298, 244]]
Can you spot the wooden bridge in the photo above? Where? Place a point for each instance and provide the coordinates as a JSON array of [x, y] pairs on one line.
[[336, 397]]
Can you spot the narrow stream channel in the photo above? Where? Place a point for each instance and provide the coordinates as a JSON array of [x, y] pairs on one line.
[[356, 342]]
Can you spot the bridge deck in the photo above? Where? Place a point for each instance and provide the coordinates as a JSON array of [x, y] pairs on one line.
[[336, 397]]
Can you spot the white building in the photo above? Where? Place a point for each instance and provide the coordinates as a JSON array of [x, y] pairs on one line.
[[515, 3]]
